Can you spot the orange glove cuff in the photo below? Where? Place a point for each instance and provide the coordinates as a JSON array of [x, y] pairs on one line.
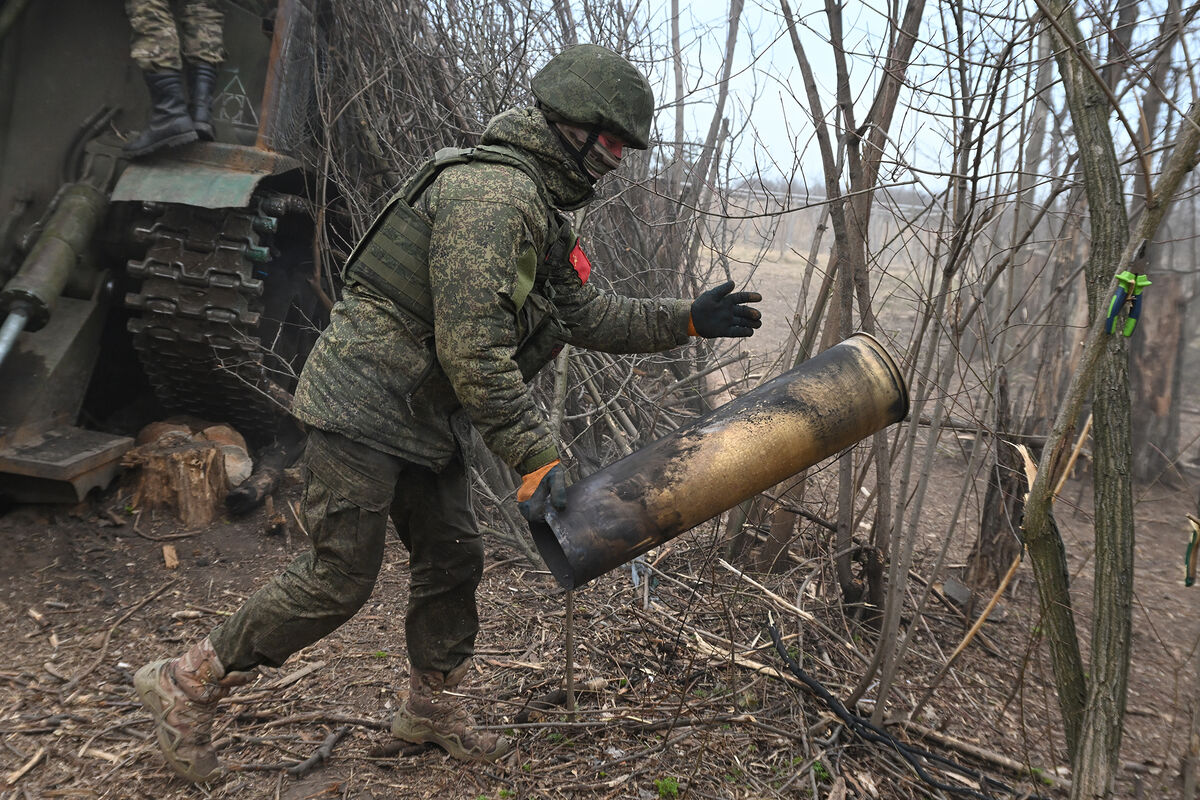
[[691, 327], [530, 482]]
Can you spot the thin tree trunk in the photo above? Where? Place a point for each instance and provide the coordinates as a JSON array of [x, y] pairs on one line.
[[1093, 710], [1098, 737], [997, 544]]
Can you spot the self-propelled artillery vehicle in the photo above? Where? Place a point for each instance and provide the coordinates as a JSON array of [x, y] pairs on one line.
[[181, 281]]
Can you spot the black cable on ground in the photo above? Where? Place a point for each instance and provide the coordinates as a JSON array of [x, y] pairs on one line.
[[868, 731]]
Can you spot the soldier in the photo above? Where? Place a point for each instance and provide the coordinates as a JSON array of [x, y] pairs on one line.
[[461, 291], [159, 49]]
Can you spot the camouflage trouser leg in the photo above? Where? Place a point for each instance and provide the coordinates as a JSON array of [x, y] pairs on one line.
[[349, 488], [433, 516], [346, 495], [200, 24], [155, 45]]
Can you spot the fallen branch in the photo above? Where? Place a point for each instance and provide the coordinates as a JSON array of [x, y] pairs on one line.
[[748, 663], [1066, 473], [322, 754], [169, 538], [869, 732], [317, 716], [984, 641], [980, 754], [296, 516], [795, 609], [792, 607], [399, 749], [292, 677], [540, 706], [966, 640]]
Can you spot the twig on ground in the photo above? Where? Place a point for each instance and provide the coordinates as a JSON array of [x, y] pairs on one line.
[[170, 538], [316, 716], [984, 641], [793, 608], [322, 754], [398, 749], [71, 684], [19, 773], [292, 677], [296, 516], [966, 640], [981, 754]]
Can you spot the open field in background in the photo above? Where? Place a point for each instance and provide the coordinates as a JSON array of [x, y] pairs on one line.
[[901, 285]]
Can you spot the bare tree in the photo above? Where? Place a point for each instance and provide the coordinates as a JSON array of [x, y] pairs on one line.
[[1093, 707]]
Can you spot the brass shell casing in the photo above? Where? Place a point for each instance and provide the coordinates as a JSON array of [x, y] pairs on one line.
[[809, 413]]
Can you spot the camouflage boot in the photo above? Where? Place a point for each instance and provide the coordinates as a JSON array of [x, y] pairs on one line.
[[429, 715], [181, 695]]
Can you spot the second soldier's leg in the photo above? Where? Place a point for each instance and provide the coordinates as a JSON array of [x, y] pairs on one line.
[[155, 42], [155, 49], [201, 22], [203, 50]]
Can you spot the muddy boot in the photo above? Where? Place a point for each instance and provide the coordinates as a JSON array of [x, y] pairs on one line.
[[169, 124], [429, 715], [201, 78], [181, 695]]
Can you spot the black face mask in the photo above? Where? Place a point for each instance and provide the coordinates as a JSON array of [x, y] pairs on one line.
[[579, 155]]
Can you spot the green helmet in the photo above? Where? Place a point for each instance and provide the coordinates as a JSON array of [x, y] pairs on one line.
[[591, 86]]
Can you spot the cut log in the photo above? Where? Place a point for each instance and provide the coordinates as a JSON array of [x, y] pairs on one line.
[[176, 474]]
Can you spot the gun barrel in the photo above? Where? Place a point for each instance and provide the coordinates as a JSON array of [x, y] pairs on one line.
[[45, 272]]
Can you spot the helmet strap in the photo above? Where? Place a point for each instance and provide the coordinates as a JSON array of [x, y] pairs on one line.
[[579, 154]]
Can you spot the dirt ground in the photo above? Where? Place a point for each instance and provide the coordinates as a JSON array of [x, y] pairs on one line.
[[85, 602], [681, 692]]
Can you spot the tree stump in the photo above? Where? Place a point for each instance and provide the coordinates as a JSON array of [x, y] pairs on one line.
[[180, 475]]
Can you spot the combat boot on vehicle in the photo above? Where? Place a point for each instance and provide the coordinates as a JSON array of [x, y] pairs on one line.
[[201, 78], [430, 715], [181, 695], [170, 124]]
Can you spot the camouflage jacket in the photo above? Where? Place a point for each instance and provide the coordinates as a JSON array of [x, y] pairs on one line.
[[375, 378]]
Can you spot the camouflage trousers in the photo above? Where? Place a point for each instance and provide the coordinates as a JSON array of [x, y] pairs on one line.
[[350, 492], [160, 45]]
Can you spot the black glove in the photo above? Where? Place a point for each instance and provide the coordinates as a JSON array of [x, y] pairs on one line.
[[719, 313], [551, 483]]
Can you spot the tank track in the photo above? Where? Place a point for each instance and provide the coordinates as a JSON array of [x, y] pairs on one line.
[[200, 302]]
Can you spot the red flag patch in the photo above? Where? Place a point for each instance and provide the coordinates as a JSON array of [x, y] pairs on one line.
[[583, 267]]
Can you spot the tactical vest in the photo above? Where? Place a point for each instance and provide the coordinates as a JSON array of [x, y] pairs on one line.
[[392, 259]]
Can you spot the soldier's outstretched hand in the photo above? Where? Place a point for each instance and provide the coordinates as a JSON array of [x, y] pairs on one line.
[[722, 312]]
